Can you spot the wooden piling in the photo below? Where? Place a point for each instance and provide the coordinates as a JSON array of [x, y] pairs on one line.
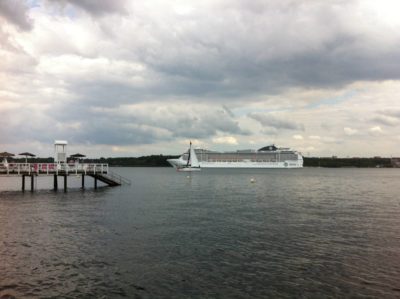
[[65, 183], [23, 183], [55, 183], [32, 183], [95, 183], [83, 181]]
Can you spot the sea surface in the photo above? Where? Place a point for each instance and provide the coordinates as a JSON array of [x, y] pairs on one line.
[[301, 233]]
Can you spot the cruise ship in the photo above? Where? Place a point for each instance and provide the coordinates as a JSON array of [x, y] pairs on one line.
[[266, 157]]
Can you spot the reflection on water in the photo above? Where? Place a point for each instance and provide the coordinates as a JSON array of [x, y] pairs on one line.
[[291, 233]]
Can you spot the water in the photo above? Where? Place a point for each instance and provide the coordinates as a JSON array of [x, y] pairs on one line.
[[311, 233]]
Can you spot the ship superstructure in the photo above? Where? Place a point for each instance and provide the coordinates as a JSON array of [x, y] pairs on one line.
[[266, 157]]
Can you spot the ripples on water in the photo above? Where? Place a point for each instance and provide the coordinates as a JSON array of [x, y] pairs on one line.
[[293, 233]]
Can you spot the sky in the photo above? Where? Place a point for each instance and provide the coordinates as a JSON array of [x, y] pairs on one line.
[[131, 78]]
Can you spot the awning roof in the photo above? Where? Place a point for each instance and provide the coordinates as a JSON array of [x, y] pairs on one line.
[[27, 154], [6, 154]]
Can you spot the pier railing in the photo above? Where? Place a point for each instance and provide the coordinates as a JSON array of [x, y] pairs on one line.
[[118, 178], [52, 168]]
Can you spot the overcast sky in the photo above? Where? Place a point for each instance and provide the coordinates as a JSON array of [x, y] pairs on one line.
[[130, 78]]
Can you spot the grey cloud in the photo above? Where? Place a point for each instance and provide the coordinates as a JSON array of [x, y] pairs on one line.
[[269, 131], [96, 7], [205, 125], [111, 133], [200, 123], [389, 118], [256, 48], [18, 125], [227, 110], [103, 93], [386, 120], [275, 123], [16, 12], [395, 113], [219, 54], [107, 125], [264, 51]]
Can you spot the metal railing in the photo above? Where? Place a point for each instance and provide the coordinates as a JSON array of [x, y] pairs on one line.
[[118, 178], [52, 168]]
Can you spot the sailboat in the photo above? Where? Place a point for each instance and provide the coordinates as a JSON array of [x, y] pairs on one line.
[[192, 161]]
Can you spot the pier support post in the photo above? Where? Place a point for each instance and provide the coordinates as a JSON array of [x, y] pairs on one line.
[[23, 183], [32, 183], [65, 183], [95, 183], [83, 181], [55, 183]]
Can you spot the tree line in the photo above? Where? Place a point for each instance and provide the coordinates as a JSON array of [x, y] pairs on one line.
[[161, 161]]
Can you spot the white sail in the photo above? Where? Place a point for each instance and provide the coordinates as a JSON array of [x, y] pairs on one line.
[[191, 164], [193, 158]]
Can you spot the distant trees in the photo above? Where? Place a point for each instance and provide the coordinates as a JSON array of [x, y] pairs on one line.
[[149, 161], [161, 161], [347, 162]]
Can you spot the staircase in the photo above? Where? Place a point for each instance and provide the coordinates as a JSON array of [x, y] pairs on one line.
[[111, 179]]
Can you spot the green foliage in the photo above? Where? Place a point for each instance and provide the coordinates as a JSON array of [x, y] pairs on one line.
[[33, 160], [150, 161], [347, 162], [161, 161]]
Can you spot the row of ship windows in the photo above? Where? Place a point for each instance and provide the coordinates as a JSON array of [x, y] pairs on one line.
[[236, 161], [249, 157], [251, 160]]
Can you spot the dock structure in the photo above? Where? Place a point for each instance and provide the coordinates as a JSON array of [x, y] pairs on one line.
[[99, 172]]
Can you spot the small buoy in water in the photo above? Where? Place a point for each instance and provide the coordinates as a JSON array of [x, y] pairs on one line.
[[188, 176], [252, 180]]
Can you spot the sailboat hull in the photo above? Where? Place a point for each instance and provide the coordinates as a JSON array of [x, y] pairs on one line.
[[192, 163], [189, 169]]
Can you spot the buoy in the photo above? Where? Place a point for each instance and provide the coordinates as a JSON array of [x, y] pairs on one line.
[[252, 180], [188, 176]]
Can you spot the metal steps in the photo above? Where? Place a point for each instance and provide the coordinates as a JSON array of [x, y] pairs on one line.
[[111, 179]]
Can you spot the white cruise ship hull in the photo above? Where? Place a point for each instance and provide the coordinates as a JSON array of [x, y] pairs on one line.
[[180, 164], [267, 157], [250, 165]]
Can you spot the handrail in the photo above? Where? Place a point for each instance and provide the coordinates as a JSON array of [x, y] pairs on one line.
[[52, 168], [119, 178]]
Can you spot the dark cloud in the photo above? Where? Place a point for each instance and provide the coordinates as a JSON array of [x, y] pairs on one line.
[[389, 118], [96, 7], [103, 93], [395, 113], [111, 133], [16, 12], [227, 110], [190, 64], [266, 48], [147, 125], [256, 48], [387, 121], [205, 125], [275, 123]]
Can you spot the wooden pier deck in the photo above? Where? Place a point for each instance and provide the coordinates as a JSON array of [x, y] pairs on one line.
[[99, 172]]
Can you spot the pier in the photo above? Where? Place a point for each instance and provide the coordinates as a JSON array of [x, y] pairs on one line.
[[61, 167], [99, 172]]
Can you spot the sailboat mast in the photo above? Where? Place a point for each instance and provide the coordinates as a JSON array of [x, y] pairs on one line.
[[190, 150]]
